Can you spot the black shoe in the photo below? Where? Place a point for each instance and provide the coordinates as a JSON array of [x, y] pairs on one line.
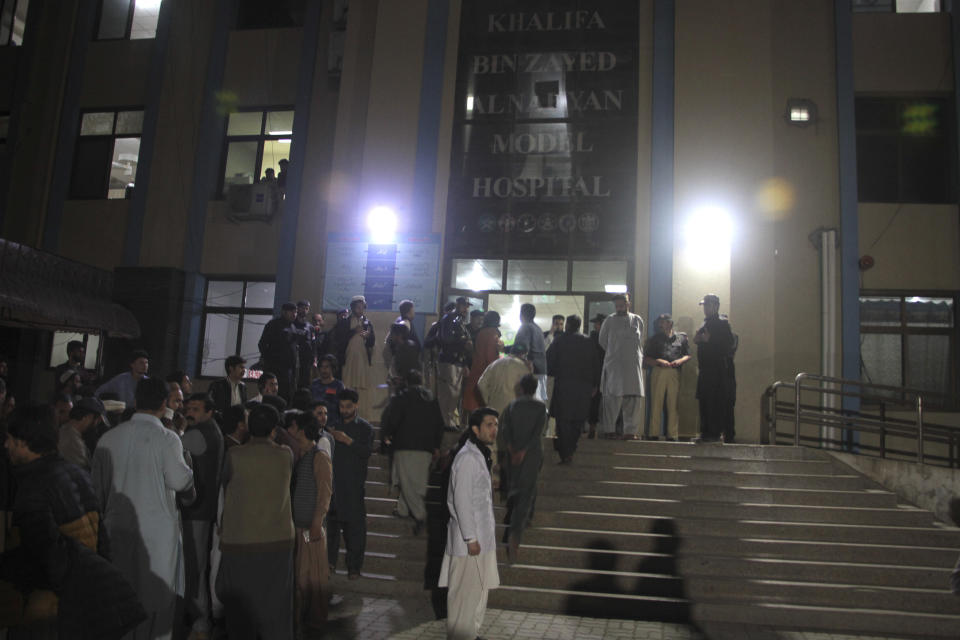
[[417, 526]]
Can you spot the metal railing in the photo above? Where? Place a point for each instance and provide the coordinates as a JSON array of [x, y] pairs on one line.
[[934, 444]]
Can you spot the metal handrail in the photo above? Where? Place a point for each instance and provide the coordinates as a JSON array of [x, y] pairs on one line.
[[831, 416]]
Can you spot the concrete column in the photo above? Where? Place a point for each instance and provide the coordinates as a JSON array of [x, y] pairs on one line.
[[849, 219]]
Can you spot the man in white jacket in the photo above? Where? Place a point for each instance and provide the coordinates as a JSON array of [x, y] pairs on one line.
[[470, 562]]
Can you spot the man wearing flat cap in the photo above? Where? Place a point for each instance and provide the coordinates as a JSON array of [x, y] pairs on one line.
[[716, 382], [278, 348]]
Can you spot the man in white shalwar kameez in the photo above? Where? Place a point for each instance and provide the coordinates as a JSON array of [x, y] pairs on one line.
[[138, 468], [469, 568], [621, 383]]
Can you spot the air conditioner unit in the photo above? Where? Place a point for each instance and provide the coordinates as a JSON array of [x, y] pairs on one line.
[[252, 201]]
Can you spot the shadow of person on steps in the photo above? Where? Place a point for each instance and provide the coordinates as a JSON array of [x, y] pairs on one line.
[[659, 579], [593, 598]]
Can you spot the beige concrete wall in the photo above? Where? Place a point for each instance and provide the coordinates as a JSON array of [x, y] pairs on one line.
[[231, 248], [92, 231], [310, 251], [927, 487], [902, 53], [174, 168], [115, 73], [724, 152], [262, 66], [390, 145], [351, 118], [914, 246], [33, 157], [805, 159]]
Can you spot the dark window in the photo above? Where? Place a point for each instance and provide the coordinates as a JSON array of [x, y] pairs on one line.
[[105, 160], [13, 21], [128, 19], [256, 141], [908, 341], [234, 313], [905, 150], [257, 14]]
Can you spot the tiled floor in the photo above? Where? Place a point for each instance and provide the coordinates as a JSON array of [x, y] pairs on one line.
[[369, 618]]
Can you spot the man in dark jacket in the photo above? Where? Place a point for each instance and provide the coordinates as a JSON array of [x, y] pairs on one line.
[[716, 381], [305, 344], [348, 513], [413, 430], [204, 440], [521, 435], [573, 363], [62, 547], [230, 391], [455, 348], [278, 348], [594, 419]]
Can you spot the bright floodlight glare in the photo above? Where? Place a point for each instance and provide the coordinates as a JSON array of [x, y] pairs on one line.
[[382, 222], [615, 288], [709, 234]]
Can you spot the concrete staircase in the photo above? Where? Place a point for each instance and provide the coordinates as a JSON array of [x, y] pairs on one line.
[[716, 535]]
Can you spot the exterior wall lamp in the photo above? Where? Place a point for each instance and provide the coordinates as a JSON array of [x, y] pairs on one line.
[[801, 112]]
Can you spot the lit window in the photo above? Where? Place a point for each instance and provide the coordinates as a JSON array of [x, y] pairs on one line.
[[13, 21], [58, 348], [537, 275], [128, 19], [478, 275], [897, 6], [907, 340], [105, 162], [256, 141], [591, 275], [234, 314]]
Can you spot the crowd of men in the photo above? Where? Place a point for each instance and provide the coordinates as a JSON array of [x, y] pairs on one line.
[[224, 507]]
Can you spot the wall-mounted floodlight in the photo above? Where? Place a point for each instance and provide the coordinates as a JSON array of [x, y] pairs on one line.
[[801, 112], [709, 235], [382, 223], [615, 288]]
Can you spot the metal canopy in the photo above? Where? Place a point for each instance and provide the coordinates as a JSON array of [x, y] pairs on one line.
[[43, 291]]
